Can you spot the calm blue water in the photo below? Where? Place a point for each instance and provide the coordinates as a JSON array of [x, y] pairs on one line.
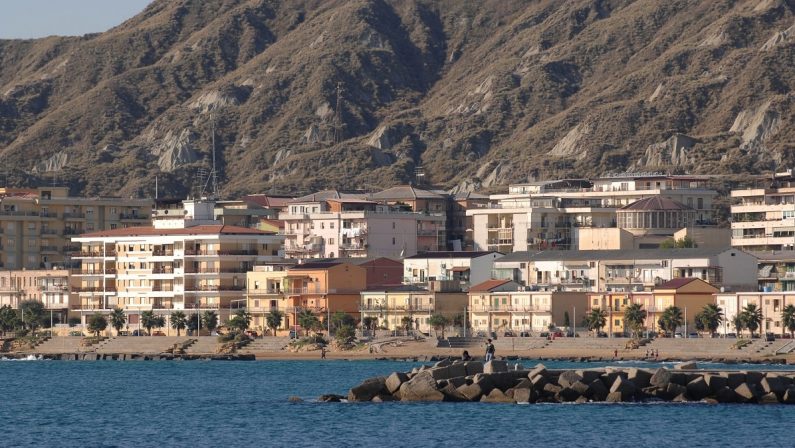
[[205, 403]]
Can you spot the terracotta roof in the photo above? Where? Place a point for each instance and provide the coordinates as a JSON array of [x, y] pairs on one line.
[[274, 222], [351, 201], [195, 230], [677, 283], [406, 192], [488, 285], [656, 203]]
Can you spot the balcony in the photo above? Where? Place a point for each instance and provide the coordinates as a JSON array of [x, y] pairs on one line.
[[48, 249], [94, 289], [132, 217], [74, 215], [193, 288], [397, 308], [163, 253], [49, 215], [94, 254], [511, 308], [45, 232]]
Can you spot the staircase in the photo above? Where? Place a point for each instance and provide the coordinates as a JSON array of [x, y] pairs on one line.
[[266, 344], [64, 344], [204, 345]]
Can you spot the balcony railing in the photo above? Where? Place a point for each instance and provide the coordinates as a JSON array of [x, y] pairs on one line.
[[512, 308], [93, 289], [131, 216], [48, 249], [73, 215], [50, 232], [94, 254], [396, 308], [214, 288]]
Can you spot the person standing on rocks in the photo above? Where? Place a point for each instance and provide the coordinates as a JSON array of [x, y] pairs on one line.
[[489, 350], [465, 356]]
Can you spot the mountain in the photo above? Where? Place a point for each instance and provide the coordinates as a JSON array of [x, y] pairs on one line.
[[307, 94]]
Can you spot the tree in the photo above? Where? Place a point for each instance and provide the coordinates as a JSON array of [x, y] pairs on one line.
[[178, 321], [341, 318], [407, 322], [596, 319], [192, 323], [369, 322], [739, 323], [210, 320], [635, 318], [73, 321], [97, 323], [681, 243], [32, 312], [566, 319], [344, 334], [149, 321], [241, 320], [709, 318], [788, 319], [117, 319], [670, 320], [308, 321], [274, 320], [753, 318], [9, 320], [439, 321]]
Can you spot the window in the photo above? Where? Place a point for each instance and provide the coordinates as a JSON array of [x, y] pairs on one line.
[[393, 224], [331, 240], [112, 226], [393, 241], [322, 225], [331, 225]]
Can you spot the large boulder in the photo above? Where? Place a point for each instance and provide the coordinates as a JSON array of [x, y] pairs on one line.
[[773, 384], [598, 391], [369, 389], [734, 379], [588, 375], [715, 382], [698, 389], [674, 389], [568, 394], [581, 388], [789, 396], [444, 363], [726, 395], [569, 377], [496, 396], [524, 395], [440, 373], [452, 394], [495, 366], [614, 397], [457, 369], [539, 369], [484, 381], [641, 378], [623, 386], [420, 388], [661, 378], [754, 377], [394, 381], [472, 392], [746, 392], [686, 366], [768, 398], [539, 381], [473, 367]]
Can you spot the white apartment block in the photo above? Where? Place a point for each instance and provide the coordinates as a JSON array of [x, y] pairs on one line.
[[548, 215], [763, 219], [187, 263], [330, 224], [464, 268], [630, 270]]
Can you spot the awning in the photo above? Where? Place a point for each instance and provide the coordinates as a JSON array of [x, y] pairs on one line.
[[460, 269]]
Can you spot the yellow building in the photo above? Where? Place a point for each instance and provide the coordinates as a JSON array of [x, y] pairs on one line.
[[266, 293], [390, 305], [36, 224]]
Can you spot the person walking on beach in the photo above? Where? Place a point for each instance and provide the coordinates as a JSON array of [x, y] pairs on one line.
[[489, 350], [323, 352], [465, 356], [615, 354]]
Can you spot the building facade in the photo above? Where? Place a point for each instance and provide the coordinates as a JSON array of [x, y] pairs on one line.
[[763, 219], [51, 287], [396, 307], [36, 224], [549, 215], [464, 268]]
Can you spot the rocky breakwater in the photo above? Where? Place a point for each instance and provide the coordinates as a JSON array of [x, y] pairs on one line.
[[497, 382]]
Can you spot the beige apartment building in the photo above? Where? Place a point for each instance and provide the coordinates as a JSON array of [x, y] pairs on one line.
[[188, 262], [552, 214], [51, 287], [770, 303], [36, 224], [763, 218], [390, 305], [330, 224]]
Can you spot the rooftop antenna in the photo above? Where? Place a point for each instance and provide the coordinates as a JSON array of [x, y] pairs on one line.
[[155, 186], [215, 170], [212, 176]]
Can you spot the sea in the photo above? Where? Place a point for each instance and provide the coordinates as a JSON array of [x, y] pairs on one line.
[[246, 404]]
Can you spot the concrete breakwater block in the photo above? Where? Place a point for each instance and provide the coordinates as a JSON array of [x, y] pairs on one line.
[[496, 384]]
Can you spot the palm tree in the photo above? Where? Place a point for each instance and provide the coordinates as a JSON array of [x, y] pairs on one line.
[[407, 322], [307, 320], [596, 319], [148, 321], [788, 319], [32, 312], [241, 320], [178, 321], [710, 318], [753, 317], [210, 320], [670, 319], [634, 318], [117, 319], [438, 321], [341, 318], [274, 320], [739, 323]]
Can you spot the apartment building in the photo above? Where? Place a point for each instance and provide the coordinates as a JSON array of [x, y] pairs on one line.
[[330, 224], [504, 306], [688, 294], [36, 224], [776, 270], [463, 268], [452, 205], [551, 214], [186, 262], [763, 218], [392, 306], [770, 303], [51, 287], [627, 270]]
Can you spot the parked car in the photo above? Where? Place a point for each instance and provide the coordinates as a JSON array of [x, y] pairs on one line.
[[601, 334], [508, 334], [158, 333], [678, 335], [558, 334], [693, 335], [525, 334], [139, 333], [770, 337], [731, 335]]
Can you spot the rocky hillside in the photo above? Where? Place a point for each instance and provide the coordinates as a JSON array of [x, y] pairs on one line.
[[307, 94]]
